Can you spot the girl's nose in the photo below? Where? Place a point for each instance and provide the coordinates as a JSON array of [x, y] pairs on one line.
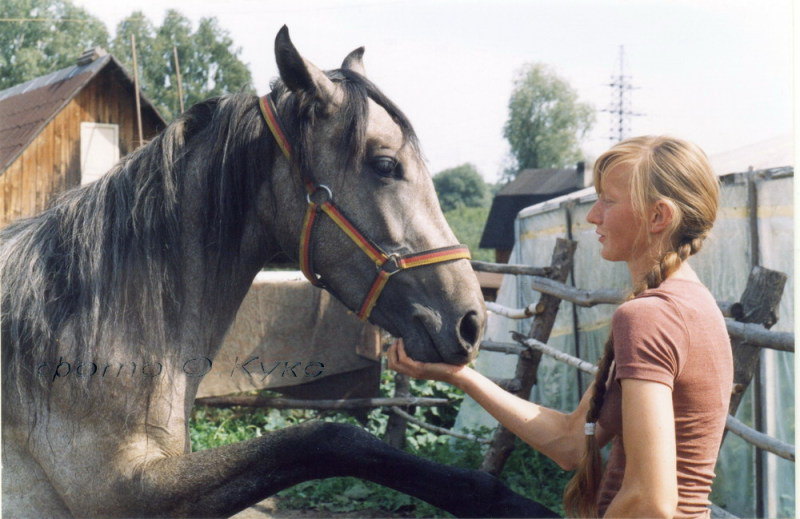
[[593, 216]]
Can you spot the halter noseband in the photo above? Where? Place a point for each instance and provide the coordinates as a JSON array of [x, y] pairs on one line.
[[386, 263]]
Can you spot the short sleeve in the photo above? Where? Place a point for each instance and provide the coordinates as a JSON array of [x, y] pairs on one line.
[[650, 340]]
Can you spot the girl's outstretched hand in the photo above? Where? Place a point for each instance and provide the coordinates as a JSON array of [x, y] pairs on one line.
[[402, 363]]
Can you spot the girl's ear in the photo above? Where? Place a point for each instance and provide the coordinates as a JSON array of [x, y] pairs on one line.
[[662, 215]]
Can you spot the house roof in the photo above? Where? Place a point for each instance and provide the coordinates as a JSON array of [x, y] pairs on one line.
[[26, 109], [531, 186], [542, 182]]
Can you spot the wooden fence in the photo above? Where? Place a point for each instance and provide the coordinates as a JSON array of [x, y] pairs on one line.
[[748, 322]]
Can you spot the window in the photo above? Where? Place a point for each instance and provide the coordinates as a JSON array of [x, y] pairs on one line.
[[99, 150]]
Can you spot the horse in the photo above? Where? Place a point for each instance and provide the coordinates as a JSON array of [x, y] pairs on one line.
[[116, 298]]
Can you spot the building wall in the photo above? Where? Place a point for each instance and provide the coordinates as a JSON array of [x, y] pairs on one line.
[[51, 163]]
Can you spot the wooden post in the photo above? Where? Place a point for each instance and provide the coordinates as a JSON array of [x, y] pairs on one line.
[[396, 427], [760, 301], [136, 90], [503, 440]]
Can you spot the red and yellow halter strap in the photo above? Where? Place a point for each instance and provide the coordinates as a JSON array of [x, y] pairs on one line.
[[387, 264]]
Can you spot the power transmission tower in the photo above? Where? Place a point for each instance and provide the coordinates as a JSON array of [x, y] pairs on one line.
[[620, 105]]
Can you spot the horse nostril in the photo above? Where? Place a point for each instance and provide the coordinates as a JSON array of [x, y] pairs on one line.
[[469, 330]]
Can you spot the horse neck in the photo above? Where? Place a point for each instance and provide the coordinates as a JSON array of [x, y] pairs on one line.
[[216, 274]]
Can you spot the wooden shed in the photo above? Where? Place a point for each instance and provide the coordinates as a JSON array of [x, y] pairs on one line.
[[531, 186], [66, 129]]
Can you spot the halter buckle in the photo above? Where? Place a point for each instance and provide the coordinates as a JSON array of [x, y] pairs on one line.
[[317, 189], [391, 265]]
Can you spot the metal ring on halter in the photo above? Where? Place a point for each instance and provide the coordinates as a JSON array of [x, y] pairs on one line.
[[393, 260], [322, 187]]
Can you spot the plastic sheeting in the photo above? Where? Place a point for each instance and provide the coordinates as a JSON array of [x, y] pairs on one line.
[[723, 265]]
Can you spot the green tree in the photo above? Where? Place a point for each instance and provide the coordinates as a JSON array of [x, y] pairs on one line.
[[209, 62], [43, 36], [545, 121], [460, 186], [467, 224]]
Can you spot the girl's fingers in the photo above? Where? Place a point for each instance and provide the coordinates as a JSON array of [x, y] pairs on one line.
[[394, 355], [401, 351]]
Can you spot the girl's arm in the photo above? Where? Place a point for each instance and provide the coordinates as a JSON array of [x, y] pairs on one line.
[[650, 484], [557, 435]]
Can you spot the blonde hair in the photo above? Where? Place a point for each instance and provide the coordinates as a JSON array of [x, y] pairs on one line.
[[661, 169]]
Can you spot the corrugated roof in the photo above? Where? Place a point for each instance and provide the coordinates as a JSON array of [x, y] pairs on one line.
[[542, 182], [25, 109]]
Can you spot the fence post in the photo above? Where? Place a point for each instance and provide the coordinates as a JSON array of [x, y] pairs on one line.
[[759, 305], [760, 301], [503, 440], [396, 426]]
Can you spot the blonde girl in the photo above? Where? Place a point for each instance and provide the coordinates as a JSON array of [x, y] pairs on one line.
[[663, 387]]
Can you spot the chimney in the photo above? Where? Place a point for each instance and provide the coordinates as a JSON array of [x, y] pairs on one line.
[[579, 172], [90, 55]]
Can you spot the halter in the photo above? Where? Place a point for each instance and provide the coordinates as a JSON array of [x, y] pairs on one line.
[[320, 198]]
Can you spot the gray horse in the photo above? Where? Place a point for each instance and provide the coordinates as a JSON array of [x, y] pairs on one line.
[[116, 299]]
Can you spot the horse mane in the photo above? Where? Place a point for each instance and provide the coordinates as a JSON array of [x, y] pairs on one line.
[[104, 259]]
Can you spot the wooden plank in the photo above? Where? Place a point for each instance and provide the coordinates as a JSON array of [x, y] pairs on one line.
[[44, 166], [28, 181], [73, 176], [12, 189], [62, 142], [527, 367]]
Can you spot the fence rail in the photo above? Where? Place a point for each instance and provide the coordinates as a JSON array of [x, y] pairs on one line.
[[298, 403], [749, 333], [437, 429], [750, 435]]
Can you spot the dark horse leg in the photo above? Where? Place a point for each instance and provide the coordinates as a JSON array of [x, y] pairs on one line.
[[223, 481]]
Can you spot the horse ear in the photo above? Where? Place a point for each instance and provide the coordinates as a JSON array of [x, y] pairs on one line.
[[354, 61], [302, 76]]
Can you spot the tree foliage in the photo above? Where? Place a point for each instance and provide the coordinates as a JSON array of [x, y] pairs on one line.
[[467, 224], [209, 63], [545, 121], [43, 36], [461, 186]]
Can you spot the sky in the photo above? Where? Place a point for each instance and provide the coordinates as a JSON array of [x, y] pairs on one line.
[[711, 71]]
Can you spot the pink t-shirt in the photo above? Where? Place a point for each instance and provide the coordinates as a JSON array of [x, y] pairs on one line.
[[674, 335]]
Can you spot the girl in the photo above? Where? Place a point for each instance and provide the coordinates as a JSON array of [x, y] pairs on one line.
[[663, 387]]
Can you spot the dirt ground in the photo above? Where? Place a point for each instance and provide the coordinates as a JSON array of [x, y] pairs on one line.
[[269, 509]]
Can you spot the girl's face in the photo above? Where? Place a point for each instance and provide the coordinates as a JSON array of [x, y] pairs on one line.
[[620, 228]]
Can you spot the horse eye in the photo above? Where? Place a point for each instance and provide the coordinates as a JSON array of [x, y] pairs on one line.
[[385, 166]]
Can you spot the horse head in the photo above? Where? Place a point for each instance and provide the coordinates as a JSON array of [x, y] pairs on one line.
[[377, 239]]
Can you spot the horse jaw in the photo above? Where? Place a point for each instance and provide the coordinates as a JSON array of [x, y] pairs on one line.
[[439, 314]]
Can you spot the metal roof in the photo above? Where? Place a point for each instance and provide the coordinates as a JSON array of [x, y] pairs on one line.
[[26, 109]]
